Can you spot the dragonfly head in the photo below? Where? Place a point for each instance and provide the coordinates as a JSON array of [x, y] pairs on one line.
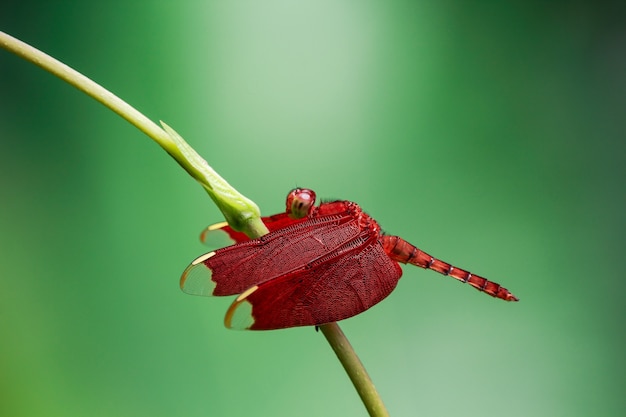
[[300, 202]]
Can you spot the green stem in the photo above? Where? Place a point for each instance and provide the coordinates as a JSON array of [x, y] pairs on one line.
[[240, 212], [355, 370], [87, 86]]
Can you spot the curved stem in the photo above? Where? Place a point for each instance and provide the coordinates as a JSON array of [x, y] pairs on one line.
[[355, 370], [240, 212], [84, 84]]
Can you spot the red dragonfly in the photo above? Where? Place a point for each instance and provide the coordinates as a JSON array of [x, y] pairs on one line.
[[318, 264]]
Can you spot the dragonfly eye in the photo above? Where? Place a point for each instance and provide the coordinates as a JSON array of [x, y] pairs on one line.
[[300, 201]]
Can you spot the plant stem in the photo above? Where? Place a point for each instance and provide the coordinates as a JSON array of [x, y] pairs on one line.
[[355, 370], [87, 86], [240, 212]]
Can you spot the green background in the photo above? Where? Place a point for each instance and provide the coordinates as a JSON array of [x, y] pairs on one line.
[[490, 135]]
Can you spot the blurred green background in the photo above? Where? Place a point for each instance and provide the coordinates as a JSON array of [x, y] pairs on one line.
[[491, 135]]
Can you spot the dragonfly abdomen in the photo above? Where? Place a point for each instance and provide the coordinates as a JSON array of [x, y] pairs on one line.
[[402, 251]]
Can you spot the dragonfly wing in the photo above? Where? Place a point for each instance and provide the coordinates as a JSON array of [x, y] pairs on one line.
[[233, 269], [339, 285], [221, 234]]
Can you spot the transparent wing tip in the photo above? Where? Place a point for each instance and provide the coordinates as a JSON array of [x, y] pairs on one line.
[[196, 279], [214, 236]]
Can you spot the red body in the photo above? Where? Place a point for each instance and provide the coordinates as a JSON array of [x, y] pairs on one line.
[[329, 265]]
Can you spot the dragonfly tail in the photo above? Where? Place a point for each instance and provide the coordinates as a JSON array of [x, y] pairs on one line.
[[402, 251]]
